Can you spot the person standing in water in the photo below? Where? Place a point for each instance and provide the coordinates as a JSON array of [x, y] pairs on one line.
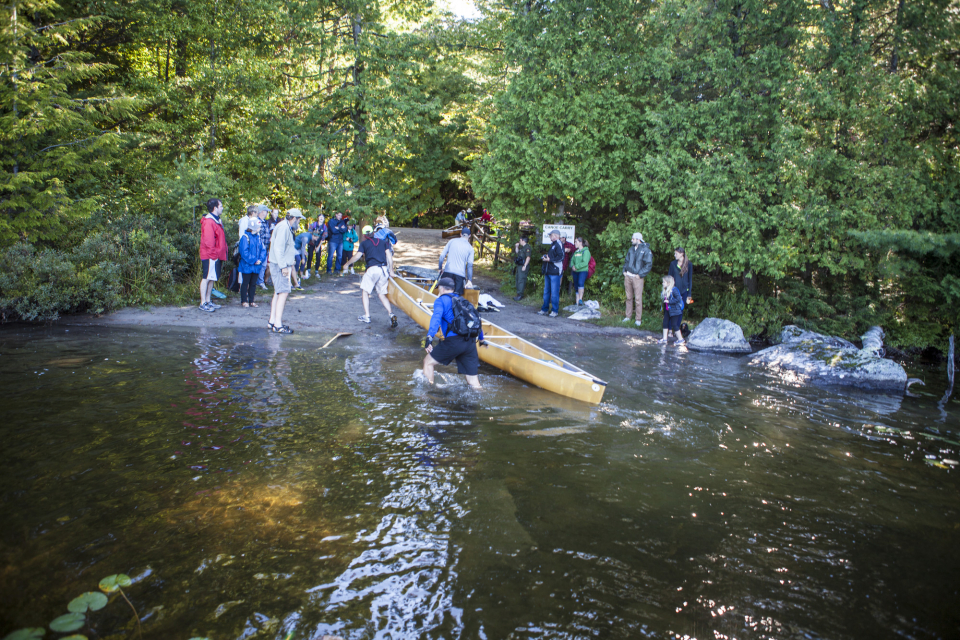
[[672, 311], [463, 349], [378, 254], [282, 258]]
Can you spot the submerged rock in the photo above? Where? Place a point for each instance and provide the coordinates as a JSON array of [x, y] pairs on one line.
[[717, 335], [829, 360]]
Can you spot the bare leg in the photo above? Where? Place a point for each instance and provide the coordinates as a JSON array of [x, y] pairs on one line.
[[474, 382], [203, 291], [428, 364], [276, 308], [209, 289], [579, 294], [386, 303], [366, 303]]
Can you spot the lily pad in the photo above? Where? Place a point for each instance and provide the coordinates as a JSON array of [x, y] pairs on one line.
[[68, 622], [114, 582], [75, 636], [30, 633], [89, 601]]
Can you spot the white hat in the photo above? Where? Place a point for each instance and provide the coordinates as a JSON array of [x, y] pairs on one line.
[[638, 236], [295, 213]]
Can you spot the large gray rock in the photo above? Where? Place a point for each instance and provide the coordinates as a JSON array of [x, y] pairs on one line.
[[719, 336], [821, 360], [792, 333]]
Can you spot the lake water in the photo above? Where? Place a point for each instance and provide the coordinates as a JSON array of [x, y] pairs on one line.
[[255, 487]]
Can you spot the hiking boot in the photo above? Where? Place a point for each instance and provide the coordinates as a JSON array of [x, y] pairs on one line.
[[394, 322], [214, 305], [554, 314], [517, 298], [364, 319]]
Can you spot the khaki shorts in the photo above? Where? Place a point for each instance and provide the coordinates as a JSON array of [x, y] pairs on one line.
[[281, 283], [375, 278]]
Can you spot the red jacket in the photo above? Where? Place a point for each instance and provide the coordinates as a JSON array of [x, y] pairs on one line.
[[568, 249], [213, 241]]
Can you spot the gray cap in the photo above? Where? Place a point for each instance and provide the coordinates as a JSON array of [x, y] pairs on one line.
[[554, 232], [296, 213], [638, 236], [446, 283]]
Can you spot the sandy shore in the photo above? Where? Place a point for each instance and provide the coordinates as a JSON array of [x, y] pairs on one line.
[[332, 304]]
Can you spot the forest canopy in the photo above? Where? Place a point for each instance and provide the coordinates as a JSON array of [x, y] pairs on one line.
[[804, 153]]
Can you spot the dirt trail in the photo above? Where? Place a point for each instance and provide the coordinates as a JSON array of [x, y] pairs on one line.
[[332, 304]]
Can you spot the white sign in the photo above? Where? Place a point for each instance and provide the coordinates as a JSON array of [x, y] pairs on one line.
[[568, 230]]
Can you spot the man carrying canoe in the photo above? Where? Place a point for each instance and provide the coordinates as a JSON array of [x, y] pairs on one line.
[[459, 347]]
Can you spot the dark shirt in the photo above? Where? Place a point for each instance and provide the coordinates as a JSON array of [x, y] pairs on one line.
[[375, 251], [337, 229], [683, 283], [524, 252], [555, 255]]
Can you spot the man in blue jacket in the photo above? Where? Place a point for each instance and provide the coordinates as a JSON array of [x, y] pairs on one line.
[[452, 347], [337, 226]]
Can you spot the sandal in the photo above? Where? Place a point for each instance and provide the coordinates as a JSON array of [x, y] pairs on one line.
[[283, 329], [245, 305], [254, 304]]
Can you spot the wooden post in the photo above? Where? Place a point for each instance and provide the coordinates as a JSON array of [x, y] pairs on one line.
[[496, 256]]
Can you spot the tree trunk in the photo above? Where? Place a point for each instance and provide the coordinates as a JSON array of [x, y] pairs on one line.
[[180, 62], [750, 282]]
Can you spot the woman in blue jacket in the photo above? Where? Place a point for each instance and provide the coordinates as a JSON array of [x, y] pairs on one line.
[[252, 255], [672, 310]]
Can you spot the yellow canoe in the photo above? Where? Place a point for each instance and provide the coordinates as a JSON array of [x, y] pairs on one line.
[[505, 350]]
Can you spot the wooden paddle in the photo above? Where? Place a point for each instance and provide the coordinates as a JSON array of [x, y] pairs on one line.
[[334, 338]]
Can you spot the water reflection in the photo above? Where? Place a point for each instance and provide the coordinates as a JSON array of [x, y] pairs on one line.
[[258, 487]]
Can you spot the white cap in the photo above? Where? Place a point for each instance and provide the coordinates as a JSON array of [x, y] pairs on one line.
[[638, 236]]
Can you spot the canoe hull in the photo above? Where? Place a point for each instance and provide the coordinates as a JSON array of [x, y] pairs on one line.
[[506, 351]]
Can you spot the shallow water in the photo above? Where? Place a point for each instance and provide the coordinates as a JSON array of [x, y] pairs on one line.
[[253, 486]]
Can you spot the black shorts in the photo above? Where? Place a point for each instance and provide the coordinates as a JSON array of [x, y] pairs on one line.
[[210, 269], [672, 323], [463, 351]]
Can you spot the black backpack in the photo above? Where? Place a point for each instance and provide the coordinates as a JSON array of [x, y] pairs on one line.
[[466, 320]]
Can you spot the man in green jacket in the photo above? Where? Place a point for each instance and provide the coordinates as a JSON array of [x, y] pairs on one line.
[[636, 266]]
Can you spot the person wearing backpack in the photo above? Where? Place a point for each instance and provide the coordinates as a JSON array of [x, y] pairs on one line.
[[580, 263], [672, 311], [552, 270], [460, 325]]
